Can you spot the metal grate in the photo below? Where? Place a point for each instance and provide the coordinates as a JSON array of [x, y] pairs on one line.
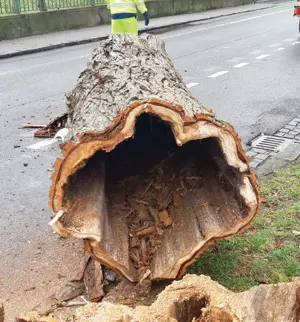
[[270, 143]]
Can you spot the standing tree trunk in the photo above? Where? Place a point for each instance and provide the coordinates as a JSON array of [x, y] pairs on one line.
[[150, 178]]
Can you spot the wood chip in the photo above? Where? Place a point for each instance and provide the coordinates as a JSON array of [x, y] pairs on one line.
[[145, 231], [144, 251], [144, 214], [176, 198], [134, 253], [93, 280], [165, 218], [205, 204]]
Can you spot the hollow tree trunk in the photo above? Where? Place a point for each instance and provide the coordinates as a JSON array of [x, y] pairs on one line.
[[150, 178], [200, 299]]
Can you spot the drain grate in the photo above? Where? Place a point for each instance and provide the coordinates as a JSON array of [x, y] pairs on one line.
[[270, 143]]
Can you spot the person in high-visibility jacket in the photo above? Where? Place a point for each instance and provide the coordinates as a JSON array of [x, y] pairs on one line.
[[124, 15]]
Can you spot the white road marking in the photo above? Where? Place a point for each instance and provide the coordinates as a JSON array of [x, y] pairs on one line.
[[226, 24], [289, 40], [296, 43], [279, 49], [263, 56], [240, 65], [43, 144], [190, 85], [43, 65], [223, 72]]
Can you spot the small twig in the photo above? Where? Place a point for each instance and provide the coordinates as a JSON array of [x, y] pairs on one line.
[[71, 304], [147, 188], [142, 202], [84, 299], [129, 213], [33, 126], [147, 273], [182, 183], [146, 231]]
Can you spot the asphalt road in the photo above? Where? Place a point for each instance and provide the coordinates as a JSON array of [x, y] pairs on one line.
[[244, 67]]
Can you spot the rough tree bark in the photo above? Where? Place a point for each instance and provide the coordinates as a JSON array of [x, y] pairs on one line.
[[150, 178], [200, 299], [1, 312]]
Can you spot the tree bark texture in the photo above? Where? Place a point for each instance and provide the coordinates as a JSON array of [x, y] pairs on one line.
[[1, 312], [150, 178], [200, 299]]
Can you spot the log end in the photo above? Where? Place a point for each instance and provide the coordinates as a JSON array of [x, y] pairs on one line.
[[154, 189]]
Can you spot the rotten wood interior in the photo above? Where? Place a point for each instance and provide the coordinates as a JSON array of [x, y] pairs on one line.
[[150, 178], [157, 200]]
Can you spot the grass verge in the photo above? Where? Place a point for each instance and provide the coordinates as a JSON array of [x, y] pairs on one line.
[[269, 252]]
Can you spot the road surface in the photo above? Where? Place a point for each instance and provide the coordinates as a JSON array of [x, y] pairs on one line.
[[245, 67]]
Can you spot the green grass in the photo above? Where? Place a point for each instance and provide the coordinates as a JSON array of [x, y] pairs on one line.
[[269, 252]]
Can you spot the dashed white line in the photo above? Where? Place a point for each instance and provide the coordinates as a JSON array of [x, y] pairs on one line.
[[279, 49], [190, 85], [223, 72], [240, 65], [289, 40], [296, 43], [263, 56], [42, 144], [226, 24]]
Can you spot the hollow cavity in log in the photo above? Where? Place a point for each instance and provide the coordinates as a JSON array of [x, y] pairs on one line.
[[162, 199], [150, 177]]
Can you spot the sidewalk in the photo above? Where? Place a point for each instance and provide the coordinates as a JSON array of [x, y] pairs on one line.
[[33, 44]]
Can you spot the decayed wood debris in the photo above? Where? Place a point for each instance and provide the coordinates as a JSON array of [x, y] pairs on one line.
[[150, 177], [51, 129], [199, 299]]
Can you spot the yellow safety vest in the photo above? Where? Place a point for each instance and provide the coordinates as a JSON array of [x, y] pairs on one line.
[[126, 6]]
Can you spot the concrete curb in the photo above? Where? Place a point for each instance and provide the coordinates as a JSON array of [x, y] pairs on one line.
[[143, 30]]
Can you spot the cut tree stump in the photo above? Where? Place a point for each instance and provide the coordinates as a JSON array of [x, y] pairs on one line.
[[200, 299], [150, 178]]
